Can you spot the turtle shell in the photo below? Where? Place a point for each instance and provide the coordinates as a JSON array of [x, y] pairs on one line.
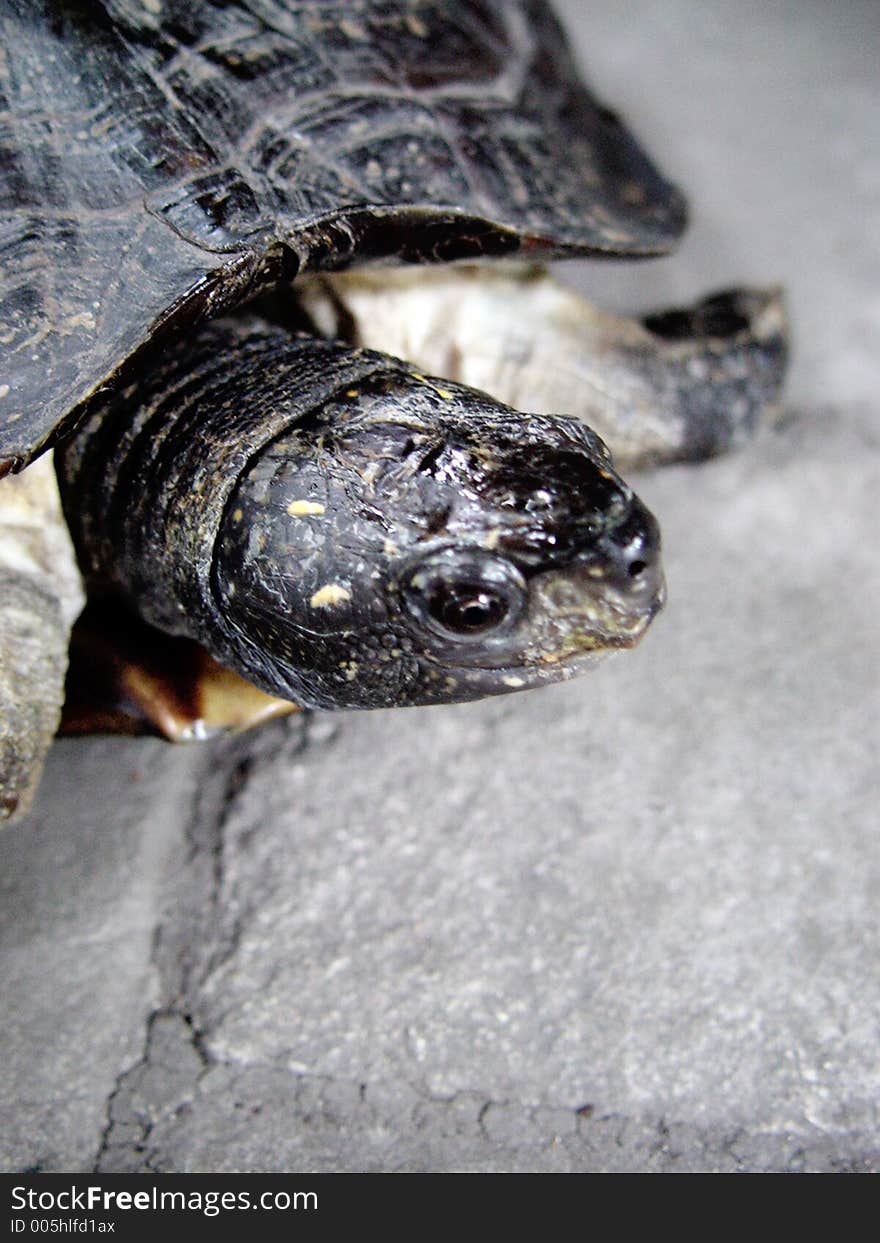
[[162, 161]]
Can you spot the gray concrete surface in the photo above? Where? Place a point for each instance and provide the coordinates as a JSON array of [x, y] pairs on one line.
[[628, 923]]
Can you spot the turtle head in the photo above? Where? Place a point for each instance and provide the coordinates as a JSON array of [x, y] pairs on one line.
[[416, 542]]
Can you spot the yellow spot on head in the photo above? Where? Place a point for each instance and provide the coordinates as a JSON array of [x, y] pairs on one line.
[[441, 392], [416, 26], [238, 515], [352, 392], [352, 29], [329, 597], [301, 509]]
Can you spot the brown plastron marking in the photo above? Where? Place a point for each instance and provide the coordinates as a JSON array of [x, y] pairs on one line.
[[126, 677]]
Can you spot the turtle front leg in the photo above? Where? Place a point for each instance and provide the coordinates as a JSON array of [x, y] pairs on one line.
[[40, 595], [679, 385]]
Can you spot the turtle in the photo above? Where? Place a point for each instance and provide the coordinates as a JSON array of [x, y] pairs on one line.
[[327, 432]]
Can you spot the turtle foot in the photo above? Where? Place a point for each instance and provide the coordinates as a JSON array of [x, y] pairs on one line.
[[33, 657], [678, 385], [40, 594], [719, 366]]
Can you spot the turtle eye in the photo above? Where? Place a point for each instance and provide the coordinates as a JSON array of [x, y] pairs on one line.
[[466, 595], [467, 608]]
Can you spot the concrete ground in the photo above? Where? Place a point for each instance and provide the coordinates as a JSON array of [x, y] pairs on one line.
[[630, 923]]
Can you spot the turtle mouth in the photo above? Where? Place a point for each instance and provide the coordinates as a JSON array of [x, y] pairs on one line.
[[605, 621], [586, 638], [466, 682], [604, 599], [611, 635]]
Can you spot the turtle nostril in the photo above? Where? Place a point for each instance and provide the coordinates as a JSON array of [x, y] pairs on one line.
[[627, 557]]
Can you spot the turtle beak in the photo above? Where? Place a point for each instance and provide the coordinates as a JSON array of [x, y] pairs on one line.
[[606, 596]]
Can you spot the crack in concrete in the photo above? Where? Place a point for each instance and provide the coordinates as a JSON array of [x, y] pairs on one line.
[[411, 1123], [136, 1103], [195, 893]]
